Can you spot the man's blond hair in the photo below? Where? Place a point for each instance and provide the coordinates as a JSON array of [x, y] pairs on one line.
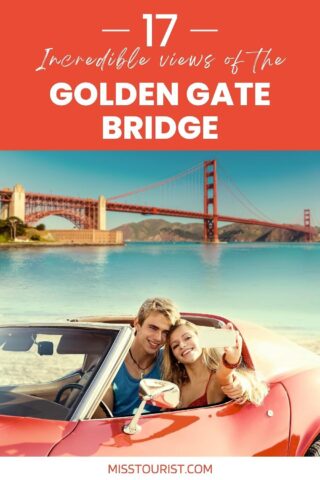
[[165, 306]]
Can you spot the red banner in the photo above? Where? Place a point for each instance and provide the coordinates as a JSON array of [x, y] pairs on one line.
[[159, 75]]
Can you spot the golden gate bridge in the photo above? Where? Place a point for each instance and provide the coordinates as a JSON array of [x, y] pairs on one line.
[[87, 213]]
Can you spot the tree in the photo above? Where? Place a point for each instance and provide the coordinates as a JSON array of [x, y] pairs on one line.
[[3, 226], [41, 227], [13, 226]]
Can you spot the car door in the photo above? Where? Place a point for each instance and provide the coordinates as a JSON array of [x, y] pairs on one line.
[[227, 429]]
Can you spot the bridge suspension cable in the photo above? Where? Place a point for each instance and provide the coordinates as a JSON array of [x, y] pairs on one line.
[[242, 198], [158, 184]]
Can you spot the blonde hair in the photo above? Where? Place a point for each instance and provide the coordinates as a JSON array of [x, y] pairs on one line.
[[165, 306], [175, 372]]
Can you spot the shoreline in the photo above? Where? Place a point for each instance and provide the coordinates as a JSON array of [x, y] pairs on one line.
[[309, 341], [36, 244], [56, 244]]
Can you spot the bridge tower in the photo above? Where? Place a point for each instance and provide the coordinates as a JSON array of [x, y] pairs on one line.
[[102, 223], [18, 202], [211, 202], [307, 223]]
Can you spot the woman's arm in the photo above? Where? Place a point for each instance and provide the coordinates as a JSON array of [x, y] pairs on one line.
[[230, 360]]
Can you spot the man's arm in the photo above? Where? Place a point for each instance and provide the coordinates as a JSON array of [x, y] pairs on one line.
[[108, 398], [238, 389], [246, 387]]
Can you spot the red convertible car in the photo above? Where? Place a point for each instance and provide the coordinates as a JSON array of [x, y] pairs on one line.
[[53, 378]]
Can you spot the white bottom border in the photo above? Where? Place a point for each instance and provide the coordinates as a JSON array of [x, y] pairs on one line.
[[160, 468]]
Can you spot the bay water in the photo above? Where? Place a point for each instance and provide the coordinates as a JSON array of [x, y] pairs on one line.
[[275, 285]]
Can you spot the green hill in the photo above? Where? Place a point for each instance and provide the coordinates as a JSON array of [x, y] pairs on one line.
[[155, 230]]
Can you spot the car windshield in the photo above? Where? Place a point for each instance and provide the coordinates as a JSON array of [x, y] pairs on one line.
[[45, 370]]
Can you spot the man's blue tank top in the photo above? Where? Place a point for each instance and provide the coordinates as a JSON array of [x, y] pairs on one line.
[[126, 390]]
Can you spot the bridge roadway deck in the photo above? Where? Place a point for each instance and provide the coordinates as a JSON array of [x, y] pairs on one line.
[[5, 196], [146, 210]]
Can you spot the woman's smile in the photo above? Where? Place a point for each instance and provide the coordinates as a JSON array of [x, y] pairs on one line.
[[185, 345]]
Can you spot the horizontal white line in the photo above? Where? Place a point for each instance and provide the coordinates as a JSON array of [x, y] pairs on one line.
[[204, 30], [115, 30]]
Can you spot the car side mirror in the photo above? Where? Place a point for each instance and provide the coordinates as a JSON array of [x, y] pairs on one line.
[[159, 393], [156, 392]]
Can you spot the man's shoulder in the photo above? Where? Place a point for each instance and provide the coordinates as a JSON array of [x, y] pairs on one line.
[[122, 373], [123, 376]]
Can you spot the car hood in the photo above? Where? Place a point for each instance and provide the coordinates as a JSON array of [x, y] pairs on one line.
[[20, 436], [274, 357]]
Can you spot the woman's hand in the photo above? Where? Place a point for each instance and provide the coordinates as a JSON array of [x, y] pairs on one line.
[[230, 360], [233, 354]]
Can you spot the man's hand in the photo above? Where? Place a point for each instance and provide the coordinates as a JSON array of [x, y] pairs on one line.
[[237, 390]]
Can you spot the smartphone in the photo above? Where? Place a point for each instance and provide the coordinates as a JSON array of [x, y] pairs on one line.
[[211, 337]]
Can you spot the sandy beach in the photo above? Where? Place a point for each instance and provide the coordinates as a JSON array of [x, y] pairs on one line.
[[311, 343]]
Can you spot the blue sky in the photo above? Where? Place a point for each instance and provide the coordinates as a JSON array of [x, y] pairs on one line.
[[280, 184]]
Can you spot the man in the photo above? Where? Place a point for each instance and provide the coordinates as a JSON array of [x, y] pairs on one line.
[[154, 319]]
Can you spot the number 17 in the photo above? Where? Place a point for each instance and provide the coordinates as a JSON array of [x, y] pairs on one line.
[[159, 16]]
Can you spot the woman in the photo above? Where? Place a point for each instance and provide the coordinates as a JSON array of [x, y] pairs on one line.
[[203, 375]]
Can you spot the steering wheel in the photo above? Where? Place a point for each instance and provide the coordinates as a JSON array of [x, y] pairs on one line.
[[104, 407], [68, 386], [106, 410]]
